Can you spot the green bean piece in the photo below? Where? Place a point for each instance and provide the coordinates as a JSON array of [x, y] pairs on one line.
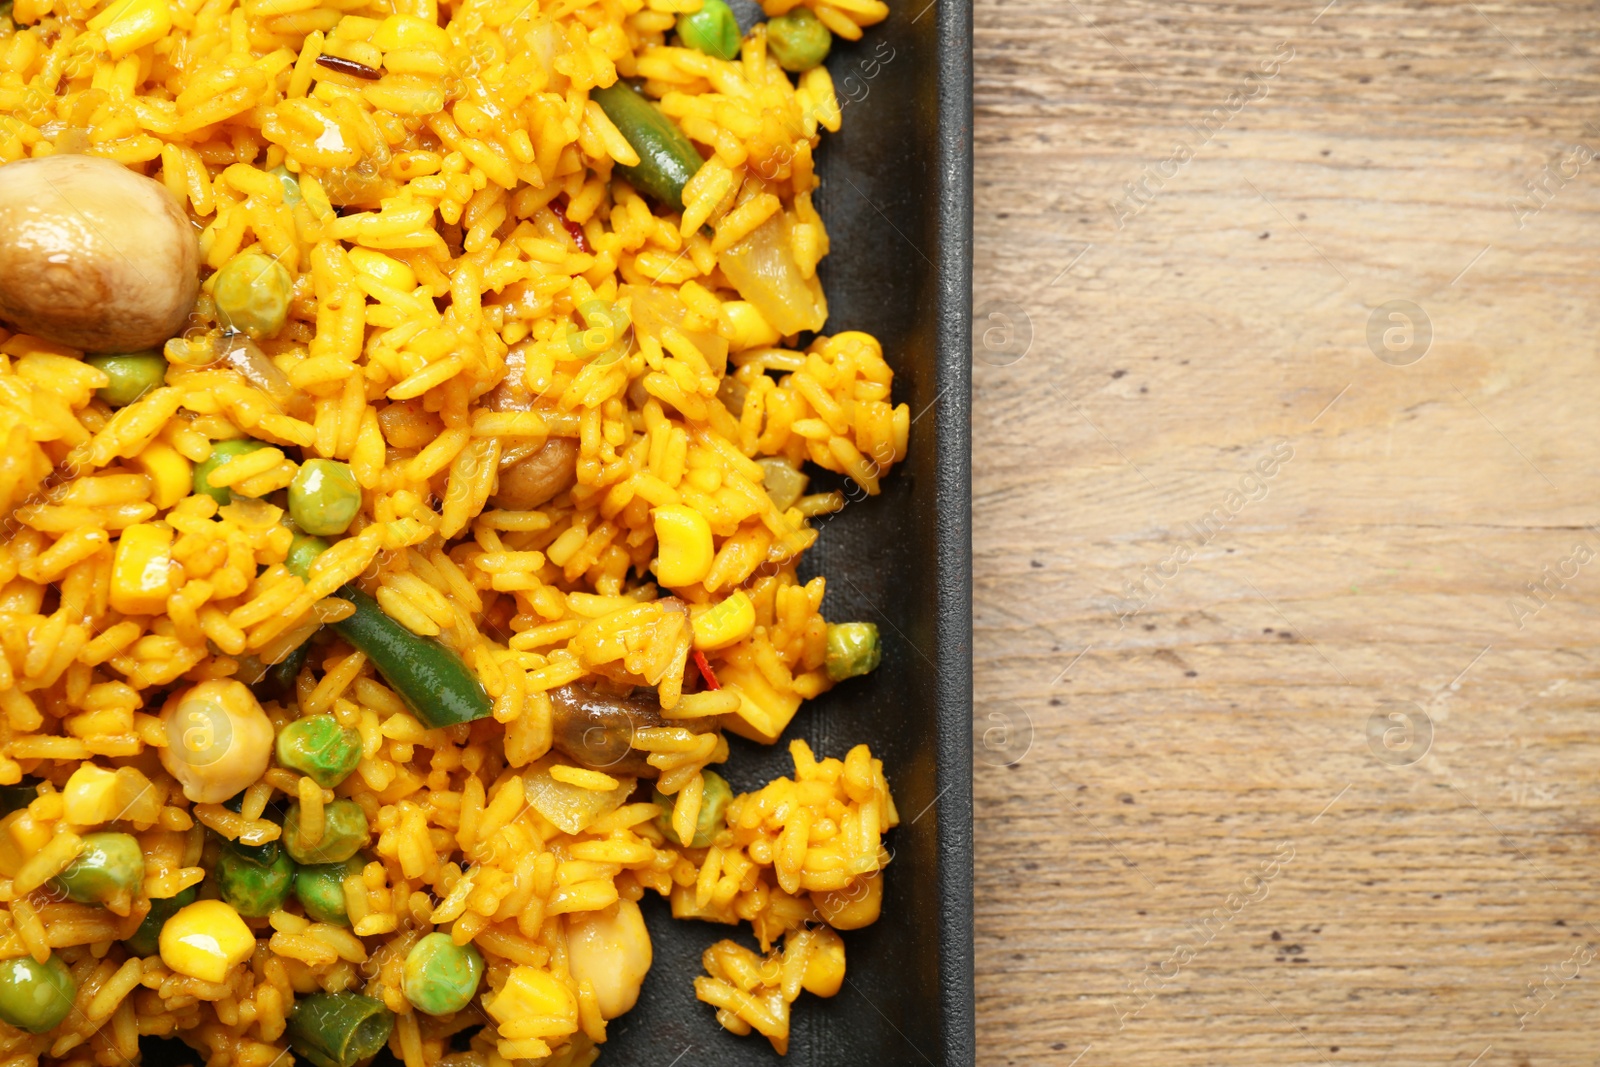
[[432, 680], [132, 375], [712, 30], [36, 996], [279, 681], [302, 550], [667, 158], [16, 797], [798, 40], [320, 889], [291, 185], [252, 294], [344, 832], [318, 746], [339, 1029], [853, 649], [107, 864], [146, 941], [324, 497], [221, 452], [440, 976], [713, 806], [255, 884]]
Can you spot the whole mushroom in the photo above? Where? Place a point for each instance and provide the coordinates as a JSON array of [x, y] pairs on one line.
[[93, 255]]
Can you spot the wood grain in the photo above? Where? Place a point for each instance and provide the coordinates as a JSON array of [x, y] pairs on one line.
[[1200, 852]]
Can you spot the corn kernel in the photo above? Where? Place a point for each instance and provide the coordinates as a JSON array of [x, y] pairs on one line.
[[725, 623], [141, 571], [764, 711], [90, 796], [205, 940], [745, 327], [684, 539], [134, 798], [129, 25], [854, 906], [21, 837], [533, 1003], [386, 269], [171, 475], [825, 969]]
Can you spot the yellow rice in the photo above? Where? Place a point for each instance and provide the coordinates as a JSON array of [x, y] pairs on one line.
[[438, 184]]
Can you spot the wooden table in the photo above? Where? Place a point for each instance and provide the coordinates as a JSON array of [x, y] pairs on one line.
[[1280, 759]]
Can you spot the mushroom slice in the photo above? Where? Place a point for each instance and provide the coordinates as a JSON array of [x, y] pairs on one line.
[[596, 729], [531, 474], [539, 477]]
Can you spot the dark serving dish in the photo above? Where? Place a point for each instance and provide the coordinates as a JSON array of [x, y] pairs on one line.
[[896, 196]]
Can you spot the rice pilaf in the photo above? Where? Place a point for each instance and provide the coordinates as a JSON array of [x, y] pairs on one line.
[[402, 781]]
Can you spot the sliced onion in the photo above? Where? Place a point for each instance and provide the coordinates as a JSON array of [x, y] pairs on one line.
[[571, 808], [732, 393], [251, 513], [241, 353], [783, 483], [656, 310], [763, 268]]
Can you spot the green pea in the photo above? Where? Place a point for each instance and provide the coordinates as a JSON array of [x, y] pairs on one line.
[[146, 941], [320, 747], [36, 996], [853, 649], [712, 30], [440, 976], [252, 294], [320, 889], [255, 884], [302, 550], [324, 497], [291, 185], [106, 865], [713, 805], [798, 40], [344, 833], [221, 452], [132, 375]]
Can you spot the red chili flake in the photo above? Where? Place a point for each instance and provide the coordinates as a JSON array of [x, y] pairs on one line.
[[559, 206], [350, 67], [705, 670]]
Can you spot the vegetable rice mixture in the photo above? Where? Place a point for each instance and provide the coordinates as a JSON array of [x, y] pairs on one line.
[[404, 410]]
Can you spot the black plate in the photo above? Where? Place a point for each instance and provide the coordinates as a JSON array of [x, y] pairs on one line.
[[896, 196]]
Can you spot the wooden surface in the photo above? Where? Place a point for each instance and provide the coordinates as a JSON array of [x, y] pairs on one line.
[[1199, 853]]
